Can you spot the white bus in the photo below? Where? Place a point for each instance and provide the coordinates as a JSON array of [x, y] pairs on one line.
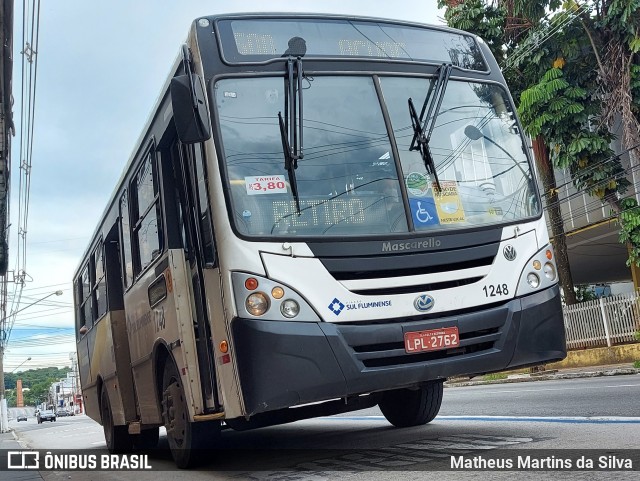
[[322, 214]]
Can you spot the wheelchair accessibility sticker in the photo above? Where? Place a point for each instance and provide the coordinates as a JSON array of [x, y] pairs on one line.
[[424, 211]]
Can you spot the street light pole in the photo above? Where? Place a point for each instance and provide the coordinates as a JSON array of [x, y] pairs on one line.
[[15, 368], [4, 419]]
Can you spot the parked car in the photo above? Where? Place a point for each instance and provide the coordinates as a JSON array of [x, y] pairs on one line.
[[62, 413], [22, 417], [47, 415]]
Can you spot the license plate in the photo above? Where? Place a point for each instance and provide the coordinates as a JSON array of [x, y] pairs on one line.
[[431, 340]]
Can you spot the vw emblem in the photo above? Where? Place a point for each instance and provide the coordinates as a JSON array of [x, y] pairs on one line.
[[423, 303], [509, 252]]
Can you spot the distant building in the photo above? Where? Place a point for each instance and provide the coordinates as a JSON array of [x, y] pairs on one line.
[[63, 393], [596, 255]]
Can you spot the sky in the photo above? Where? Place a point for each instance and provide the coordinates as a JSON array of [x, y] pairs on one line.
[[100, 69]]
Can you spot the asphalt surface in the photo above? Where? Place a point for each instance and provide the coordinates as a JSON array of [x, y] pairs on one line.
[[600, 396]]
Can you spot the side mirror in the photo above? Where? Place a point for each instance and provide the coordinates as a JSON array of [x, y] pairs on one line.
[[189, 109]]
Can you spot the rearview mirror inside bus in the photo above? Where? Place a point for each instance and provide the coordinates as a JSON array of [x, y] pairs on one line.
[[189, 109]]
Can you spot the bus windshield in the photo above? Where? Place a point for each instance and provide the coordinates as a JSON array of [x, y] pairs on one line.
[[348, 180]]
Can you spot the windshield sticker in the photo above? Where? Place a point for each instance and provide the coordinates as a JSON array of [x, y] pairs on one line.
[[337, 306], [418, 184], [424, 211], [265, 184], [448, 203], [230, 95]]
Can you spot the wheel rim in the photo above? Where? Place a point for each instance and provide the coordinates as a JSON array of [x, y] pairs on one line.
[[175, 414]]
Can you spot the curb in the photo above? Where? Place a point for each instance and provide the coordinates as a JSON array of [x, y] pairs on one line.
[[547, 377]]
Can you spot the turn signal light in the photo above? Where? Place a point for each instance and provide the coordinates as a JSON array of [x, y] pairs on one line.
[[549, 254], [224, 346]]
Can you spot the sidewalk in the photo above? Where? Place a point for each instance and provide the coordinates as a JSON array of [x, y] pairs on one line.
[[8, 443], [567, 373]]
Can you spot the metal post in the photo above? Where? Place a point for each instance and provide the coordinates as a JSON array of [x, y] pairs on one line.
[[605, 321], [4, 414]]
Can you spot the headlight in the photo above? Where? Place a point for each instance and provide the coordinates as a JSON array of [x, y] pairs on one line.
[[550, 271], [289, 308], [257, 303], [269, 300], [539, 272]]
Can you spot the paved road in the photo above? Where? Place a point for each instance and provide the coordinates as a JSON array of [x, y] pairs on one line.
[[372, 449], [602, 396]]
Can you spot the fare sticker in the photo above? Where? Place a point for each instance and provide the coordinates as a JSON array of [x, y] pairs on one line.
[[265, 184]]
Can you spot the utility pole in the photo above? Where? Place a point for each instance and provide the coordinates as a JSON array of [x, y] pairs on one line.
[[4, 415]]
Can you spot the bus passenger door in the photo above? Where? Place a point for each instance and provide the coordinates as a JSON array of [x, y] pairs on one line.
[[187, 165]]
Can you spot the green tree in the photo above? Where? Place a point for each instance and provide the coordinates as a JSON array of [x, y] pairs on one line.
[[37, 381], [561, 60], [505, 33]]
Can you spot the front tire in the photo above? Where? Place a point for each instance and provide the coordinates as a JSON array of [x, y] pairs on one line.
[[117, 437], [412, 407], [185, 437]]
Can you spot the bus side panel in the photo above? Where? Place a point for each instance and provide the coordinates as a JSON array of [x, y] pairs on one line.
[[169, 322], [91, 403], [89, 386], [103, 365], [123, 364], [187, 357], [227, 375], [147, 399], [146, 326]]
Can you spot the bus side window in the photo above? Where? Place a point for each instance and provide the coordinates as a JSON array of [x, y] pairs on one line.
[[85, 296], [173, 199], [147, 230], [78, 294], [206, 228], [100, 287], [125, 229]]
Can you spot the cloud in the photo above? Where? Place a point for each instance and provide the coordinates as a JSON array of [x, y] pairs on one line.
[[101, 66]]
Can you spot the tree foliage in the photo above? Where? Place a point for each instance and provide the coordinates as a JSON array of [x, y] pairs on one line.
[[37, 381], [574, 68]]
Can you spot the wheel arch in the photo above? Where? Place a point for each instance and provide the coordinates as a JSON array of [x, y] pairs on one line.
[[99, 386], [161, 355]]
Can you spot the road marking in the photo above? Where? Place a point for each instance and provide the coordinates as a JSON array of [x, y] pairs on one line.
[[353, 418], [550, 419], [553, 389], [539, 419]]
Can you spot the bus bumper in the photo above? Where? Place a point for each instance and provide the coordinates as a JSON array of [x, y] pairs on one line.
[[283, 364]]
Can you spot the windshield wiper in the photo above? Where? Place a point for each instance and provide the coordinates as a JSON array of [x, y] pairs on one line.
[[422, 132], [291, 126]]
